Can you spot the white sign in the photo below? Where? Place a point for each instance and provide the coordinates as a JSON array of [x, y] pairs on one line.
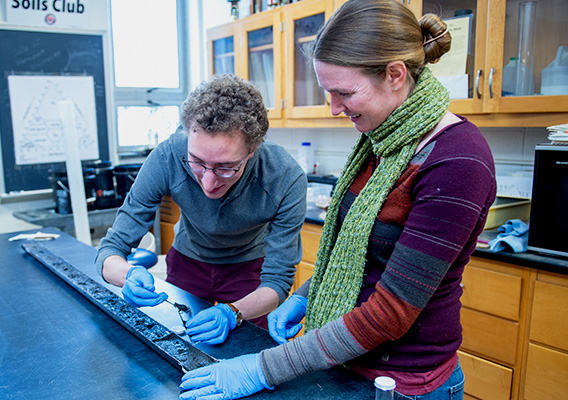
[[85, 14], [38, 131], [455, 61]]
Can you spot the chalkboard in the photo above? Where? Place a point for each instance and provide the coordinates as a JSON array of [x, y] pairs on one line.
[[46, 53]]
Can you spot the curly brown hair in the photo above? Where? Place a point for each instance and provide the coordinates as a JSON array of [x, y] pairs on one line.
[[227, 104]]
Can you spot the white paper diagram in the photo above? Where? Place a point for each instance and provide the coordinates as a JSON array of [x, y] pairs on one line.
[[38, 133]]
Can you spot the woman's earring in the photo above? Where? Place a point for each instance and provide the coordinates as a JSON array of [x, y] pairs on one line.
[[396, 88]]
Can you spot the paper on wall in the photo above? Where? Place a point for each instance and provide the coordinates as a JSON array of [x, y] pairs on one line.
[[454, 62], [38, 133]]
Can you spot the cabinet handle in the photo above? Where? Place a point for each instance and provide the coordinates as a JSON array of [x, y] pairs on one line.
[[477, 83], [491, 82]]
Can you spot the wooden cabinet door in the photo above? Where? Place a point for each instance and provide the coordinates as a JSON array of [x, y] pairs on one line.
[[169, 216], [311, 235], [222, 49], [260, 44], [489, 336], [491, 292], [546, 375], [303, 96], [495, 39], [549, 34], [549, 323], [476, 65], [485, 379]]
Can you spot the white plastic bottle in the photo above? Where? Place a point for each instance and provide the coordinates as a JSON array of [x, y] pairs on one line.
[[555, 75], [306, 157], [384, 388]]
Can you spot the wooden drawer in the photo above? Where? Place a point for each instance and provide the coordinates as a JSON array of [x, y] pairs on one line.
[[549, 323], [546, 375], [169, 211], [491, 292], [311, 235], [489, 336], [484, 379]]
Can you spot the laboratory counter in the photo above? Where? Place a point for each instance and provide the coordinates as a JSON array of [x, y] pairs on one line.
[[58, 341]]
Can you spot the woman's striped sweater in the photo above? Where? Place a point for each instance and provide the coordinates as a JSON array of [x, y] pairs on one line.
[[407, 316]]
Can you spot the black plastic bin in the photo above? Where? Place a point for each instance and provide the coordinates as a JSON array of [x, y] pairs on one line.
[[125, 176], [105, 190], [60, 185]]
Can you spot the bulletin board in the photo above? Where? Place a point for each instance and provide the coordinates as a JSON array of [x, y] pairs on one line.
[[25, 52]]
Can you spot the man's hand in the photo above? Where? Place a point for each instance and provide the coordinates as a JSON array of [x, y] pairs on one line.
[[212, 325], [139, 290]]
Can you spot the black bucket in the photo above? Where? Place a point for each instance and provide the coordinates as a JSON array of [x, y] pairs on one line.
[[125, 176], [61, 195], [105, 191]]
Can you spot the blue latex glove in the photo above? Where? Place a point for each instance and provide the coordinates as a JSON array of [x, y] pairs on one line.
[[227, 379], [212, 325], [139, 290], [284, 322]]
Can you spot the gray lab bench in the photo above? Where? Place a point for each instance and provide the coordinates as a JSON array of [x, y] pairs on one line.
[[57, 344]]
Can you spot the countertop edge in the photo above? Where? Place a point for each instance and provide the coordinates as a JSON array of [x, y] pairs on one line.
[[529, 259]]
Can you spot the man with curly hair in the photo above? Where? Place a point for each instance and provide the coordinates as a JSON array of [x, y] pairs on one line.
[[242, 201]]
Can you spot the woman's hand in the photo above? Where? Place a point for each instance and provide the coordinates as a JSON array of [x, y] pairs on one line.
[[284, 322], [227, 379]]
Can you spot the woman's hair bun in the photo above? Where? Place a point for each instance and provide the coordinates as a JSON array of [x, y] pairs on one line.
[[437, 39]]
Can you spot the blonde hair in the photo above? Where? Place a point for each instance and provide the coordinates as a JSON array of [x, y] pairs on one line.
[[369, 34]]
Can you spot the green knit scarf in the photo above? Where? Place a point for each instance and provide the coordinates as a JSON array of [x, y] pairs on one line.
[[338, 274]]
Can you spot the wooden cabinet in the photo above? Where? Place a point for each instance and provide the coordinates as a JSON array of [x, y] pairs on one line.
[[268, 51], [485, 379], [514, 323], [169, 215], [304, 99], [492, 316], [299, 102], [311, 234], [494, 40], [260, 39], [223, 50], [546, 375]]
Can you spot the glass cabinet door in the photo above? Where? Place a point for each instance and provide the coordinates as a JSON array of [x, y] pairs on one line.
[[224, 56], [261, 62], [304, 97], [306, 90], [535, 56], [261, 36], [463, 68], [221, 45]]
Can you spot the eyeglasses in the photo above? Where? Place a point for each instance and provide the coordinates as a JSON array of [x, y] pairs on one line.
[[223, 172]]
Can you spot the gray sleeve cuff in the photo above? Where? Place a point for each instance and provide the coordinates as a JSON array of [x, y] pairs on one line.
[[304, 290], [319, 349]]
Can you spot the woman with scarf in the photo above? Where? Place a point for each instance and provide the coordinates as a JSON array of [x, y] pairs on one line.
[[404, 219]]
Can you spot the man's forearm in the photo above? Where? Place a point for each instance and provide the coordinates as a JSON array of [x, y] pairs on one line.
[[257, 303], [115, 269]]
